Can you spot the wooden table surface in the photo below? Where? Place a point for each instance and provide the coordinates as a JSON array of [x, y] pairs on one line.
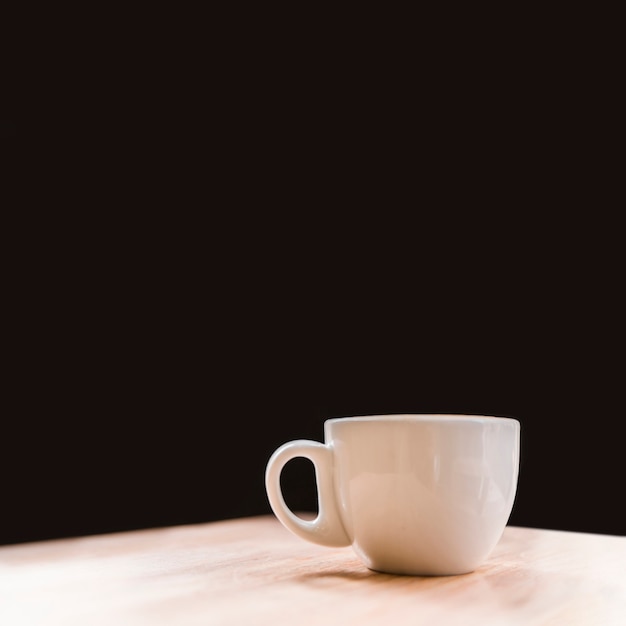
[[251, 572]]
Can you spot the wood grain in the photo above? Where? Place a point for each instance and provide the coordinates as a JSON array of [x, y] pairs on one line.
[[252, 571]]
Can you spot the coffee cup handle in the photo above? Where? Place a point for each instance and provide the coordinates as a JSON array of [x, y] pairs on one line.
[[327, 528]]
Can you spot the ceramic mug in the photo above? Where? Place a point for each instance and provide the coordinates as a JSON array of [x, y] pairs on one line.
[[412, 494]]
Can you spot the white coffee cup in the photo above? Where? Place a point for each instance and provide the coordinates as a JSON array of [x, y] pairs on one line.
[[412, 494]]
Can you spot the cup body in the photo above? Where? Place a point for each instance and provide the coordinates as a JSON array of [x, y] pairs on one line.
[[424, 494]]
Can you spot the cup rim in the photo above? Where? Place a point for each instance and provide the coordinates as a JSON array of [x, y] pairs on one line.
[[424, 417]]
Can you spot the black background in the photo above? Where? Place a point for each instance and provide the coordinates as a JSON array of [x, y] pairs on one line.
[[212, 257]]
